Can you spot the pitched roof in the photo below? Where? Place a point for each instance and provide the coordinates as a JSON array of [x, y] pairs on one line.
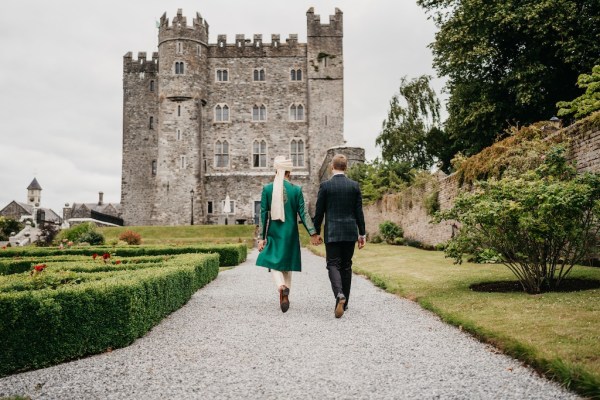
[[34, 185]]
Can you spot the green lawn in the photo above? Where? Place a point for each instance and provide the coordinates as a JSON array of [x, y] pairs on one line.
[[557, 333], [185, 235]]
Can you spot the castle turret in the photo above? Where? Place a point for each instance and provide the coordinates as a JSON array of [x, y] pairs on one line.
[[325, 73], [34, 193], [183, 55]]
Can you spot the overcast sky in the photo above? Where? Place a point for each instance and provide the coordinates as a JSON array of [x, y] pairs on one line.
[[61, 77]]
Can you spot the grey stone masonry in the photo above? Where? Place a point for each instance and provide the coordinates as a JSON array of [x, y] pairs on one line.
[[204, 121]]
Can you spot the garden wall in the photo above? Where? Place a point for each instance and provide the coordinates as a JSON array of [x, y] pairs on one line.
[[408, 210]]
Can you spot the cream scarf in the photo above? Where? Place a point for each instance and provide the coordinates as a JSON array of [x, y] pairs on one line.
[[281, 165]]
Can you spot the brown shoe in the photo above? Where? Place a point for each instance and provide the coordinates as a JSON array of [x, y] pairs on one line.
[[340, 302], [284, 301]]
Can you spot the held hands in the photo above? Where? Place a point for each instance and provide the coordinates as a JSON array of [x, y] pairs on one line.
[[316, 240], [261, 245]]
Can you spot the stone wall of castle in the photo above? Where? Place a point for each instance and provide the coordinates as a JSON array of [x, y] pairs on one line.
[[170, 169], [407, 208]]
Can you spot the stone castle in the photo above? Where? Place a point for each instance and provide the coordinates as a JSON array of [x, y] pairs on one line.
[[203, 122]]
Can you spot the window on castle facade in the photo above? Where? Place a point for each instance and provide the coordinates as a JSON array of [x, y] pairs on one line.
[[179, 111], [259, 113], [183, 162], [297, 152], [179, 48], [153, 167], [296, 75], [209, 207], [198, 49], [296, 112], [178, 134], [259, 74], [152, 86], [259, 154], [221, 113], [222, 154], [179, 68], [151, 123], [222, 75]]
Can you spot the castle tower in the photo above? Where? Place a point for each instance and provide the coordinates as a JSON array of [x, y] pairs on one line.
[[140, 144], [34, 193], [182, 83], [325, 73]]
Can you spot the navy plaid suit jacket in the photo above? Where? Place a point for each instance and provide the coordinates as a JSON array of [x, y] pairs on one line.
[[340, 203]]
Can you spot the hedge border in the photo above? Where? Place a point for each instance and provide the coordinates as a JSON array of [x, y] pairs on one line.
[[40, 328]]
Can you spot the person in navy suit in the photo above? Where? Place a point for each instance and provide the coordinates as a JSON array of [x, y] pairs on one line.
[[339, 203]]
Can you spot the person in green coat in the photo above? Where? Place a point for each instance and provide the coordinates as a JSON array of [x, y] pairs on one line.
[[279, 243]]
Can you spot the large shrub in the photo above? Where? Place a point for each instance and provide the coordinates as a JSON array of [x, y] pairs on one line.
[[541, 223], [81, 233], [8, 226], [389, 231], [130, 237]]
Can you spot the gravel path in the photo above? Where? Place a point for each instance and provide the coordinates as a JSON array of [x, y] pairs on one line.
[[232, 341]]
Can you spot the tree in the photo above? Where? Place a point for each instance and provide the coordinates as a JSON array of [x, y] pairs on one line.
[[8, 226], [377, 178], [509, 62], [404, 133], [542, 222], [588, 102]]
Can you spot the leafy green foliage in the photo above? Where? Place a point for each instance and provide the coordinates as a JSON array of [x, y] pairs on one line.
[[509, 62], [404, 133], [81, 233], [432, 202], [377, 178], [8, 226], [542, 222], [389, 231], [588, 102]]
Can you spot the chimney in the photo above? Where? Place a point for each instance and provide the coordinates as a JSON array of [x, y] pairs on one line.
[[100, 198]]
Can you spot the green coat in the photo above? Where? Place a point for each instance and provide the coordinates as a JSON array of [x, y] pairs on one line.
[[282, 251]]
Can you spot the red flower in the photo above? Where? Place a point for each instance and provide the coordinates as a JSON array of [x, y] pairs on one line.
[[94, 256], [3, 247], [105, 256], [118, 262], [40, 267]]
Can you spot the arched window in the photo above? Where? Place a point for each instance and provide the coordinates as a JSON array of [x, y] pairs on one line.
[[179, 67], [179, 48], [221, 113], [222, 75], [183, 162], [296, 75], [297, 152], [259, 112], [151, 123], [153, 167], [152, 86], [296, 112], [259, 74], [259, 154], [221, 154]]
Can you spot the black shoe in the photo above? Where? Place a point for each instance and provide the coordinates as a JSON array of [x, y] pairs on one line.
[[340, 303], [284, 301]]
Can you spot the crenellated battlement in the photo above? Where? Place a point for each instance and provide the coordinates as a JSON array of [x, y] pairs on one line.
[[179, 29], [142, 64], [334, 28], [256, 41]]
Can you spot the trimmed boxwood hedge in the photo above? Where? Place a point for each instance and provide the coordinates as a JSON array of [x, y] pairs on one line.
[[230, 254], [39, 328]]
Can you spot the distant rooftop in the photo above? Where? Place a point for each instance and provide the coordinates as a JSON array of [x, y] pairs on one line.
[[34, 185]]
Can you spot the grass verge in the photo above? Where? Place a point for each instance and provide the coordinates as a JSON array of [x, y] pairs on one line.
[[558, 334]]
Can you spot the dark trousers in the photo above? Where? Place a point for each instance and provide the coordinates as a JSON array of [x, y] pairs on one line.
[[339, 264]]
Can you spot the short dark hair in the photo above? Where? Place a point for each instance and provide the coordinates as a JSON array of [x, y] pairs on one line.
[[339, 162]]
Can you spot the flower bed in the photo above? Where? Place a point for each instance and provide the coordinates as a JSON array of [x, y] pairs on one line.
[[230, 254], [58, 314]]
